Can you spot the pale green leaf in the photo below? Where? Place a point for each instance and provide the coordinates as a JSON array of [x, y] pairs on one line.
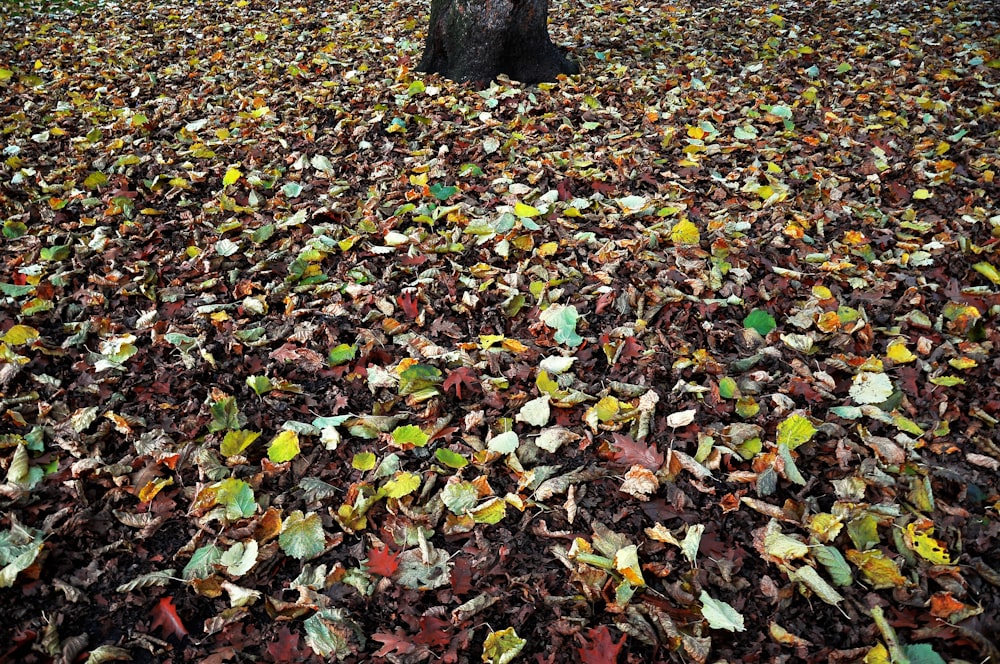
[[535, 412], [719, 614], [302, 535]]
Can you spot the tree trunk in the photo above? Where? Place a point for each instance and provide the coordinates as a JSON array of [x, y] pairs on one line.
[[475, 40]]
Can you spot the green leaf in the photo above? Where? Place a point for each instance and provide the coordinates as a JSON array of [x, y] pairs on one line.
[[922, 653], [14, 229], [760, 320], [450, 458], [240, 558], [342, 354], [261, 385], [402, 484], [95, 179], [720, 615], [563, 320], [502, 647], [14, 290], [795, 430], [284, 447], [459, 496], [416, 87], [327, 634], [236, 441], [59, 252], [441, 192], [237, 496], [302, 535], [202, 563], [364, 461], [727, 388], [836, 566], [409, 435], [225, 415], [291, 189]]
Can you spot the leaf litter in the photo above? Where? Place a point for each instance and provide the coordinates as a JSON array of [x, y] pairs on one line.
[[635, 364]]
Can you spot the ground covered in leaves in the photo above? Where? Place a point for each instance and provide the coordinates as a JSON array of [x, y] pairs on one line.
[[693, 357]]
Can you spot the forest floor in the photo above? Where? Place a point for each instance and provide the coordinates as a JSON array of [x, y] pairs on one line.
[[693, 357]]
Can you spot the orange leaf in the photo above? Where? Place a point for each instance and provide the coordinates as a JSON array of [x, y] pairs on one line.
[[165, 617], [943, 605], [382, 561]]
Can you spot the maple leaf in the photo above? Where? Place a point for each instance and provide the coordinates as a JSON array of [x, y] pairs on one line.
[[433, 632], [631, 453], [600, 648], [166, 619], [396, 643], [459, 377], [409, 305], [382, 561], [285, 648]]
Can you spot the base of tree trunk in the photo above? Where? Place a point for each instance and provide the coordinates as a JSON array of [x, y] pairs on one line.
[[476, 40]]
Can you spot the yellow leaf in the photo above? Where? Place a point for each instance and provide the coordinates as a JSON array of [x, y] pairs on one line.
[[232, 175], [148, 492], [572, 212], [822, 292], [514, 346], [696, 133], [880, 571], [685, 232], [878, 655], [627, 563], [925, 546], [922, 194], [488, 340], [20, 334], [898, 352], [962, 363], [547, 249], [522, 210]]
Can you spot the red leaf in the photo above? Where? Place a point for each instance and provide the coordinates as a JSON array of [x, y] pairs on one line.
[[459, 377], [600, 648], [165, 617], [630, 453], [433, 632], [398, 643], [286, 648], [409, 305], [382, 561], [461, 576], [632, 350]]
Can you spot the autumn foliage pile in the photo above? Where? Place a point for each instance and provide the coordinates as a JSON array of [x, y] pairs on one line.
[[305, 355]]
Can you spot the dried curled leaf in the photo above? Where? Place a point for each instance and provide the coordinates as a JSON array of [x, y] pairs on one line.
[[158, 578]]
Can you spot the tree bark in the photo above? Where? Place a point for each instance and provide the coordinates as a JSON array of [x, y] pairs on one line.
[[476, 40]]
